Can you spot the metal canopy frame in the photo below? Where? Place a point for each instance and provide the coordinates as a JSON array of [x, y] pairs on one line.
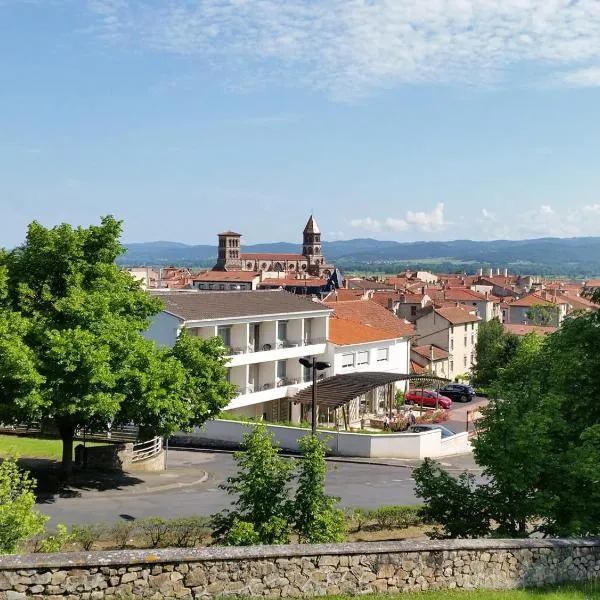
[[336, 391]]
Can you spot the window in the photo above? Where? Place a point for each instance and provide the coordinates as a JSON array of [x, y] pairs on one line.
[[451, 344], [382, 354], [451, 365], [472, 359], [363, 358], [221, 286], [347, 360], [282, 330], [465, 340], [281, 369], [225, 334], [472, 339], [413, 311], [465, 360]]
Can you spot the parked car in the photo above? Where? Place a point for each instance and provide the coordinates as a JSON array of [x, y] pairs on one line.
[[429, 398], [446, 433], [458, 392]]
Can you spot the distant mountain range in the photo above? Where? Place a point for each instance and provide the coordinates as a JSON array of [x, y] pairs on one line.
[[576, 257]]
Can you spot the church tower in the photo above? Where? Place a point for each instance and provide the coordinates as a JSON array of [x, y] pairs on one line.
[[229, 258], [311, 247]]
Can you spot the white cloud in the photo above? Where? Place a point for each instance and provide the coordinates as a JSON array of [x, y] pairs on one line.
[[421, 221], [487, 215], [352, 47], [545, 209]]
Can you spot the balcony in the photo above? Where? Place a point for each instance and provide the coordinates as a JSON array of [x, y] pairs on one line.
[[276, 350]]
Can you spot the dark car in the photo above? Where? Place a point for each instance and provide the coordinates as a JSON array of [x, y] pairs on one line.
[[446, 433], [458, 392]]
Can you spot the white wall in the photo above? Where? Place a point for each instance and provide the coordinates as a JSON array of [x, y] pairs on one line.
[[393, 445], [164, 329]]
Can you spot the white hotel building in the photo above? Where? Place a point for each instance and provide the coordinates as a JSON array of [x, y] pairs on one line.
[[267, 332]]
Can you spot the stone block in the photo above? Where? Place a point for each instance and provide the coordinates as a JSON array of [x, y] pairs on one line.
[[12, 595], [128, 577]]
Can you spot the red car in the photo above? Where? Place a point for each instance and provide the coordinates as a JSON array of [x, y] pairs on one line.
[[428, 398]]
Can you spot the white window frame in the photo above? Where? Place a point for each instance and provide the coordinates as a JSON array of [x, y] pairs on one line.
[[362, 355], [383, 354], [347, 361]]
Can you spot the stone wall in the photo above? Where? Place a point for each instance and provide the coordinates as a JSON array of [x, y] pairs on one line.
[[297, 570]]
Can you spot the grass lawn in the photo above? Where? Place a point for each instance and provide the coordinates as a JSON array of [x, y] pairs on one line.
[[30, 447], [577, 592]]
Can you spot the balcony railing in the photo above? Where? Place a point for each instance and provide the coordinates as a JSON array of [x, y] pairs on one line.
[[276, 345]]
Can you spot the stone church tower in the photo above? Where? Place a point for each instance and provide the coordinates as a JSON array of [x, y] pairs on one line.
[[311, 247]]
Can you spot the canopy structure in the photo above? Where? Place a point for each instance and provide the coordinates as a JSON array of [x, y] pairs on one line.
[[335, 392]]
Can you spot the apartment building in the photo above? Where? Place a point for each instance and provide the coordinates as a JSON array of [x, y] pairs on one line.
[[519, 311], [226, 281], [266, 333], [453, 329], [485, 307]]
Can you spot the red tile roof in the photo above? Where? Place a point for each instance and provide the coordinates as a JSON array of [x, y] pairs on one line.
[[458, 295], [308, 282], [231, 233], [226, 276], [417, 368], [429, 351], [342, 295], [346, 332], [519, 329], [370, 313], [457, 315], [535, 299]]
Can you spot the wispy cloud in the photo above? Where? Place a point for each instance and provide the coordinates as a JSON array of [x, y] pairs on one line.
[[417, 220], [352, 47]]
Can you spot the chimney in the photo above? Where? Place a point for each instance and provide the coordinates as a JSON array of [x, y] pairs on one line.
[[423, 290], [487, 295], [497, 271], [505, 272], [480, 272], [490, 272]]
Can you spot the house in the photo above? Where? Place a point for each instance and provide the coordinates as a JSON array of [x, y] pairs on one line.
[[266, 333], [431, 359], [412, 306], [481, 303], [453, 329], [226, 280], [519, 311]]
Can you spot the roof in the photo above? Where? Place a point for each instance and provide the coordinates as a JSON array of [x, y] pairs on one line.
[[301, 282], [231, 233], [370, 313], [343, 294], [367, 284], [345, 332], [593, 283], [519, 329], [457, 315], [429, 351], [417, 368], [311, 226], [534, 300], [271, 256], [458, 295], [226, 276], [200, 306], [336, 391]]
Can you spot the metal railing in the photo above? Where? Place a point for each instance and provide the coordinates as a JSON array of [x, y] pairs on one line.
[[146, 450]]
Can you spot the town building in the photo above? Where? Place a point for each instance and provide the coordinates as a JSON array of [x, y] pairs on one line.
[[523, 310], [226, 280], [311, 261], [432, 360]]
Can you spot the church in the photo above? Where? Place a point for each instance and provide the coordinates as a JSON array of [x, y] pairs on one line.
[[311, 262]]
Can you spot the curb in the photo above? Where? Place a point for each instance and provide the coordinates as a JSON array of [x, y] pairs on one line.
[[126, 493]]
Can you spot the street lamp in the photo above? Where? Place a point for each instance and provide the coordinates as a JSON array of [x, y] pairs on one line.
[[312, 363]]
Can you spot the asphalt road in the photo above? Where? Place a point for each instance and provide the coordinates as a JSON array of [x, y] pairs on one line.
[[358, 484]]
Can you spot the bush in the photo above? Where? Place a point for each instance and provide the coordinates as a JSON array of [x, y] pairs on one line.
[[241, 533], [54, 541], [358, 516], [156, 530], [18, 519], [396, 517], [187, 531], [87, 535], [122, 532]]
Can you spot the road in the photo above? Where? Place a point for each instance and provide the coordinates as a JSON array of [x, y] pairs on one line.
[[358, 484]]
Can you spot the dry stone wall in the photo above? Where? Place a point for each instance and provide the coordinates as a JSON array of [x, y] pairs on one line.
[[298, 570]]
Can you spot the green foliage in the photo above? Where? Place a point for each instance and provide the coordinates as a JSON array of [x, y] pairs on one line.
[[494, 349], [185, 532], [261, 491], [396, 517], [316, 518], [71, 349], [87, 535], [542, 314], [358, 516], [55, 541], [241, 533], [458, 505], [122, 532], [18, 519], [156, 531]]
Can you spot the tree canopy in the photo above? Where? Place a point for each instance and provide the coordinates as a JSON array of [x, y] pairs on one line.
[[72, 351]]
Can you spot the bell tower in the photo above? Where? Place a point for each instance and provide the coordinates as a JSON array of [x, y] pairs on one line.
[[228, 258], [311, 246]]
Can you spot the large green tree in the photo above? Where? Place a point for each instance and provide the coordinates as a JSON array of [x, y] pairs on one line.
[[76, 355], [542, 314]]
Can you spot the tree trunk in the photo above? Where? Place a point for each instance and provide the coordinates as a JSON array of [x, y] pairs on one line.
[[67, 433]]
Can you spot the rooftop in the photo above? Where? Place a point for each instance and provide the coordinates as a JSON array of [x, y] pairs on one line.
[[457, 315], [231, 233], [199, 306], [430, 351], [311, 226], [226, 276], [271, 256], [519, 329], [345, 332]]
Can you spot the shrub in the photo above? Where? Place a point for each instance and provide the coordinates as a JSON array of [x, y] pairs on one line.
[[358, 516], [18, 519], [396, 517], [187, 531], [87, 535], [122, 532], [241, 533], [156, 530], [55, 541]]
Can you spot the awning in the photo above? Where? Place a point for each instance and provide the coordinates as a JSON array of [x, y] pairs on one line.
[[336, 391]]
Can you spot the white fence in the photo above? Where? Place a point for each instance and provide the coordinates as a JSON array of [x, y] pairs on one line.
[[147, 450], [363, 445]]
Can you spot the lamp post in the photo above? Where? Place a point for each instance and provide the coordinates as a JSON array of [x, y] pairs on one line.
[[314, 365]]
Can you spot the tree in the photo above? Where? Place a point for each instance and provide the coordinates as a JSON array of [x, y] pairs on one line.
[[18, 519], [542, 314], [261, 487], [493, 350], [83, 361], [316, 518]]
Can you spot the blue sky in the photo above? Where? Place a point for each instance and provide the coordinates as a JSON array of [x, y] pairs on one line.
[[395, 119]]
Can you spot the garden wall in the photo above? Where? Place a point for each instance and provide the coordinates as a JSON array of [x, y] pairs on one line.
[[229, 434], [299, 570]]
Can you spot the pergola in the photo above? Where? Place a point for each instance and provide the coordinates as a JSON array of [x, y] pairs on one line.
[[339, 390]]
